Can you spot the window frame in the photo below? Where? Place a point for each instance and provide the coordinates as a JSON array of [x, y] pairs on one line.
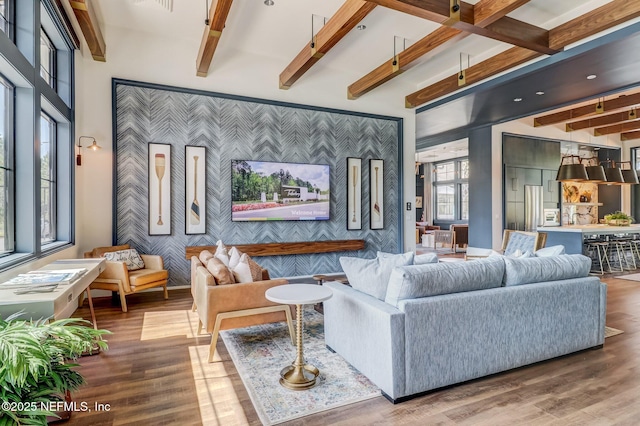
[[9, 166], [457, 183], [53, 129], [52, 81]]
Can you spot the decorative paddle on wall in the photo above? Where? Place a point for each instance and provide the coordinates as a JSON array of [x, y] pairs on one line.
[[194, 217], [355, 182], [376, 206], [160, 174]]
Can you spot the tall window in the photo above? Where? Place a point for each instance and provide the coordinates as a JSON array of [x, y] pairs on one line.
[[47, 59], [47, 178], [6, 168], [4, 16], [451, 190]]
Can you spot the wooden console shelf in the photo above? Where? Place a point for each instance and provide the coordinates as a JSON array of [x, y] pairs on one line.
[[280, 249]]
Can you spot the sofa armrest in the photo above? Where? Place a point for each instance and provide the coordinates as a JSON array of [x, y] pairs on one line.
[[236, 297], [117, 271], [369, 334], [152, 261]]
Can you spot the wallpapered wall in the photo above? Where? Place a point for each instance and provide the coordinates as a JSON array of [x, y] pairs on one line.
[[246, 129]]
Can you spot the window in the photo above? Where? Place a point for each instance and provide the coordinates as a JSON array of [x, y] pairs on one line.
[[47, 178], [4, 16], [6, 168], [47, 59], [451, 190]]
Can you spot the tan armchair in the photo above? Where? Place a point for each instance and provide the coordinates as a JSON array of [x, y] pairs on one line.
[[229, 306], [116, 277]]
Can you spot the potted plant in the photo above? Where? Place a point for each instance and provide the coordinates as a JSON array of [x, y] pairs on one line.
[[37, 367], [618, 219]]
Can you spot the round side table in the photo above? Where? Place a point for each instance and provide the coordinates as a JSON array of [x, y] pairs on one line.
[[298, 375]]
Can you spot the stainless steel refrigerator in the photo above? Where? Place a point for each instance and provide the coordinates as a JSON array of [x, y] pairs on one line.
[[533, 207]]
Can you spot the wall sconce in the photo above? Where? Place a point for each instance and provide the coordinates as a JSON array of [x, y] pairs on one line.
[[94, 146]]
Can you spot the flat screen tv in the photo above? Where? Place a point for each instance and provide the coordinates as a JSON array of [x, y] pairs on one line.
[[264, 190]]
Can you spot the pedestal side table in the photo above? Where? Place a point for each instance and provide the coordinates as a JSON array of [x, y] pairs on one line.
[[298, 375]]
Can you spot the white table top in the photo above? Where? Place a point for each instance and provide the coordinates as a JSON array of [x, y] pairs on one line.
[[298, 294]]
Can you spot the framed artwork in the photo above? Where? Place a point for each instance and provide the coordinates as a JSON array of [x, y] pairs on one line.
[[195, 189], [159, 170], [376, 188], [418, 202], [354, 193]]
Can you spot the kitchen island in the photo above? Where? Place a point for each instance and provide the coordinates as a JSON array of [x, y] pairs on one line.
[[573, 236]]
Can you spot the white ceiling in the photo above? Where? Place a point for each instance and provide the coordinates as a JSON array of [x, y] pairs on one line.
[[281, 31]]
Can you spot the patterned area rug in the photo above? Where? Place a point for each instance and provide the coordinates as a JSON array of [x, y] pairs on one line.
[[610, 331], [260, 352]]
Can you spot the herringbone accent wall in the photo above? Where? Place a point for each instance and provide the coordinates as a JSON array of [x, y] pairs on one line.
[[240, 129]]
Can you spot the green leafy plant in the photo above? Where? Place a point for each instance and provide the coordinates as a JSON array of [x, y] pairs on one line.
[[37, 365], [618, 215]]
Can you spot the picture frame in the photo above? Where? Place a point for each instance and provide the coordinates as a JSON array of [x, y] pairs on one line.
[[195, 167], [159, 191], [418, 202], [376, 190], [354, 193]]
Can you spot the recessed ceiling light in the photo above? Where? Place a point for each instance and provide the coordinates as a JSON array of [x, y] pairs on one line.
[[591, 76], [517, 99], [539, 93], [361, 27], [268, 2]]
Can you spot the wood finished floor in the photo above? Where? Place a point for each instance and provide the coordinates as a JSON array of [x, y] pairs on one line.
[[148, 379]]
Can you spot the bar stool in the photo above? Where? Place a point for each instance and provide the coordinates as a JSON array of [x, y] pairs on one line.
[[597, 251], [624, 250]]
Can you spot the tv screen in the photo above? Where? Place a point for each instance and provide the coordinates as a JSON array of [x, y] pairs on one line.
[[263, 190]]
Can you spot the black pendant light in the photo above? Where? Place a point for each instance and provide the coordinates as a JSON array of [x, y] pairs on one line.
[[572, 171], [595, 171], [629, 175], [613, 173]]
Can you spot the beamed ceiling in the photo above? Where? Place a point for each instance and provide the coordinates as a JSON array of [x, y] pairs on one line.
[[445, 49]]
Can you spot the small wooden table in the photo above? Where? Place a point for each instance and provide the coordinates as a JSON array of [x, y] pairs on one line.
[[298, 375]]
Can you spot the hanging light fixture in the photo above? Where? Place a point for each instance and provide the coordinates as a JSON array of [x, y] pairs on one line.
[[630, 176], [613, 173], [595, 173], [574, 171]]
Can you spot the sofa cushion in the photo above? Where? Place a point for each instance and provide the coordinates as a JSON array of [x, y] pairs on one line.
[[410, 282], [423, 259], [550, 251], [550, 268], [130, 257], [220, 272], [147, 276], [371, 276]]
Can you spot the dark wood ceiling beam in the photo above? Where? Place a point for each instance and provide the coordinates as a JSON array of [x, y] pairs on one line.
[[509, 31], [602, 120], [90, 29], [570, 114], [630, 135], [600, 19], [218, 13], [617, 128], [487, 11], [475, 73], [338, 26]]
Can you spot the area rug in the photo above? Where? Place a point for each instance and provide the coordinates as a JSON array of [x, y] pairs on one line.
[[260, 352], [610, 331], [630, 277]]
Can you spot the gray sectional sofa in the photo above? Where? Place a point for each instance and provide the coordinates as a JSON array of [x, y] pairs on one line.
[[446, 323]]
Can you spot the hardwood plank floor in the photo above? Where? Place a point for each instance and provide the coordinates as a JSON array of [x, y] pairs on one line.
[[148, 377]]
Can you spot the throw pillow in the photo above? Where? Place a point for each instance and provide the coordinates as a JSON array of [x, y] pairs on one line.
[[256, 270], [550, 251], [204, 256], [371, 276], [423, 259], [130, 257], [242, 271], [222, 254], [234, 257], [220, 272], [549, 268]]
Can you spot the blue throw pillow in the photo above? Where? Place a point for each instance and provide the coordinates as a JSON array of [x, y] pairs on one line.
[[371, 276]]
